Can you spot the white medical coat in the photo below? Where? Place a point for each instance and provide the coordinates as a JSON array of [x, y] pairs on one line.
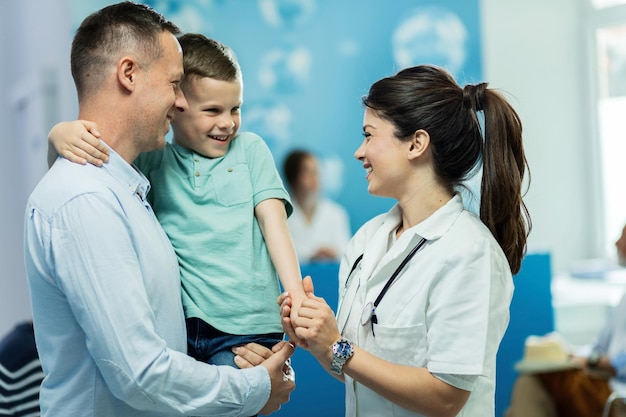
[[447, 311]]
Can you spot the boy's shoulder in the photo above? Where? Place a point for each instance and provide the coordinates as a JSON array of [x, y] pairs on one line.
[[249, 142], [247, 138]]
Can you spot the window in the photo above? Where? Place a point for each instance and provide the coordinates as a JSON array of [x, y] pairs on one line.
[[607, 30], [601, 4]]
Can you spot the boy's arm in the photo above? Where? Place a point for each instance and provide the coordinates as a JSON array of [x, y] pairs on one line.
[[77, 141], [272, 218]]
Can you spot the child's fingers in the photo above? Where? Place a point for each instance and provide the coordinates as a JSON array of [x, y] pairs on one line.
[[73, 157], [91, 127], [79, 156]]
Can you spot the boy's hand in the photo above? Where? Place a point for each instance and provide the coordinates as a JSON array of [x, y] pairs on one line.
[[287, 308], [78, 141]]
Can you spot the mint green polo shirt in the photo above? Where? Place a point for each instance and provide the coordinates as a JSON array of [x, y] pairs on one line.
[[206, 207]]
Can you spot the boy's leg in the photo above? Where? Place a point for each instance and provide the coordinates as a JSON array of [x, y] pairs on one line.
[[208, 344], [225, 356]]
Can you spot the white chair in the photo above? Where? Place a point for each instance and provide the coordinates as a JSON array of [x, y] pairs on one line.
[[615, 396]]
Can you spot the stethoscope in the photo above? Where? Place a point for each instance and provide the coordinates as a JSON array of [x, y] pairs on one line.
[[368, 314]]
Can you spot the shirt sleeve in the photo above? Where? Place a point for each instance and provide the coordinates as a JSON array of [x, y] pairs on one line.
[[266, 182], [109, 301], [468, 309]]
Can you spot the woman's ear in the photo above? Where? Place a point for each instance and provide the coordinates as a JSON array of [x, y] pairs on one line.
[[127, 69], [418, 144]]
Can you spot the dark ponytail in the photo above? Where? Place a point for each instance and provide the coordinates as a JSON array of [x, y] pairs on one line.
[[427, 97], [502, 208]]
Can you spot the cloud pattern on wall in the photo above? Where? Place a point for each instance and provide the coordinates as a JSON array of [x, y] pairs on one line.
[[306, 64]]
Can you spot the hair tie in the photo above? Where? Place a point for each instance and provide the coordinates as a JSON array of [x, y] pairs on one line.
[[474, 96]]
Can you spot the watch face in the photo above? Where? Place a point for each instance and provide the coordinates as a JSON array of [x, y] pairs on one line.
[[342, 349]]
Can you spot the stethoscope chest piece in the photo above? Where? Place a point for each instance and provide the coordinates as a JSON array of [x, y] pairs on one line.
[[367, 313]]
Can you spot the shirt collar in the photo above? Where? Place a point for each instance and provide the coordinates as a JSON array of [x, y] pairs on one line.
[[128, 175], [435, 225]]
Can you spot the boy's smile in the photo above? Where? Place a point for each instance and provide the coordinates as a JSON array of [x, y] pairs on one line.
[[212, 118]]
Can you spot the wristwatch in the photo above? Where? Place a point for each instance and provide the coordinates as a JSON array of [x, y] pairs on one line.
[[343, 350], [593, 359]]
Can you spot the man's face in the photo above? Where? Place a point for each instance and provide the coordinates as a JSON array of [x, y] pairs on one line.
[[160, 94]]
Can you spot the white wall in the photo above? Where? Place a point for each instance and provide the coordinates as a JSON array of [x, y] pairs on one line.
[[14, 304], [34, 48], [532, 51]]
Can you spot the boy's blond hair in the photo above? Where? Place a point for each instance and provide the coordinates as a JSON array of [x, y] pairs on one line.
[[204, 57]]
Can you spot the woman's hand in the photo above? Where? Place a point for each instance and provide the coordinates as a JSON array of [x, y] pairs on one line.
[[317, 326]]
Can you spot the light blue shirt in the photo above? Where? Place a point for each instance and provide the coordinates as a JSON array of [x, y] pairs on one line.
[[105, 290], [611, 341]]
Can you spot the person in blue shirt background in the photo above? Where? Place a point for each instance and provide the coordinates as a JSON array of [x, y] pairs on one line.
[[582, 391]]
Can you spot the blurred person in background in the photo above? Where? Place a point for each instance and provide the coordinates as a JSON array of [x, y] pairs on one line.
[[621, 248], [320, 228], [20, 372], [581, 390]]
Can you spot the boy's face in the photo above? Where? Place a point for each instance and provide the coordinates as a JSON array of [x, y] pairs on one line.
[[212, 118]]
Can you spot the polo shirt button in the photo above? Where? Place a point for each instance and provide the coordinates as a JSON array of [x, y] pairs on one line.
[[230, 170], [197, 173]]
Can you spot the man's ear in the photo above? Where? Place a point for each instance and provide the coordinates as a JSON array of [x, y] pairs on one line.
[[418, 144], [127, 70]]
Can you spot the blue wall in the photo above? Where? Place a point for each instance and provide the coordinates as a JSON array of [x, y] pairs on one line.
[[531, 314], [307, 63]]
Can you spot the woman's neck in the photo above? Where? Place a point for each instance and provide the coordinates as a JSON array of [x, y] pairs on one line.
[[419, 207]]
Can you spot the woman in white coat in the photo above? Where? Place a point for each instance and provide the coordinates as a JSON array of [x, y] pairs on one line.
[[426, 287]]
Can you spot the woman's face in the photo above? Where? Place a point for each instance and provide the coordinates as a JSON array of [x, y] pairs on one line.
[[384, 157]]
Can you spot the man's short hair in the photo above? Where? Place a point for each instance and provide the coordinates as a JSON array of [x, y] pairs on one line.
[[106, 35]]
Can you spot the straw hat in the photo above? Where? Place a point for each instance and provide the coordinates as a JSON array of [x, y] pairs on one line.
[[545, 354]]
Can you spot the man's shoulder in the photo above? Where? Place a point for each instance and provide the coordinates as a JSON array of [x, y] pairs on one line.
[[65, 181]]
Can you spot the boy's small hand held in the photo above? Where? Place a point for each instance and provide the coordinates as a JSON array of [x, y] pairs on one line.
[[79, 141]]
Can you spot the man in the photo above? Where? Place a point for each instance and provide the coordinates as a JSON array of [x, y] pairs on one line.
[[104, 278]]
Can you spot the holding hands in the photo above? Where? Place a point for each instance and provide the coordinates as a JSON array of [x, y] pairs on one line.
[[314, 328]]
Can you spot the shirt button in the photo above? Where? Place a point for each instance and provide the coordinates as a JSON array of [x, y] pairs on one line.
[[197, 173], [196, 160], [230, 170]]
